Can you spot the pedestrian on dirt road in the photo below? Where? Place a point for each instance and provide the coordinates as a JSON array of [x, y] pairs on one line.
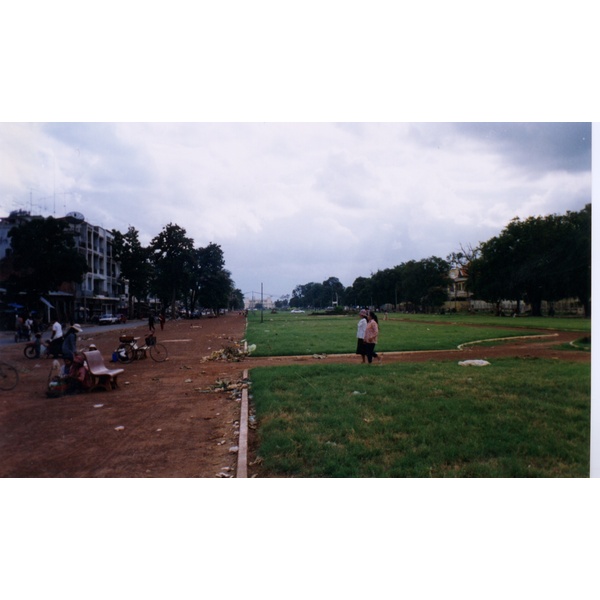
[[151, 323], [161, 320], [360, 335], [69, 346], [371, 336], [56, 339]]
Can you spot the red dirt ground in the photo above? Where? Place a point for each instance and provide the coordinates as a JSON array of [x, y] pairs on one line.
[[171, 421]]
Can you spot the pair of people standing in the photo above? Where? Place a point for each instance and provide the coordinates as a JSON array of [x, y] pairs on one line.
[[367, 333]]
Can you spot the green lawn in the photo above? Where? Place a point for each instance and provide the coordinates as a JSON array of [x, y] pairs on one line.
[[286, 334], [515, 418]]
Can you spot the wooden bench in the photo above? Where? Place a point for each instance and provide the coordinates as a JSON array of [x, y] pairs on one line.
[[102, 376]]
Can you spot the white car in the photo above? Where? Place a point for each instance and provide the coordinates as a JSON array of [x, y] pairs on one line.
[[108, 320], [296, 312]]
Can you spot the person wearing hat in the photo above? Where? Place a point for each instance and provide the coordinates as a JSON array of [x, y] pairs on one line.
[[360, 335], [76, 376], [69, 347]]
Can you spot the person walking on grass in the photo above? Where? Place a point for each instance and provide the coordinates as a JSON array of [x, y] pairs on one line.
[[360, 335], [371, 336]]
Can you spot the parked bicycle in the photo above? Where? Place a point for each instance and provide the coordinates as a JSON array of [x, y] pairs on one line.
[[9, 377], [129, 350]]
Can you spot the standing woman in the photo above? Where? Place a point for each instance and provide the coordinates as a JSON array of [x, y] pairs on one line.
[[371, 335], [69, 346], [360, 335]]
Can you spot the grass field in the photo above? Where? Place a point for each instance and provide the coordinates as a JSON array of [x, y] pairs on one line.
[[286, 334], [515, 418]]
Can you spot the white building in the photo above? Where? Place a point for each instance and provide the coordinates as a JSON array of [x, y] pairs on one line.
[[100, 291]]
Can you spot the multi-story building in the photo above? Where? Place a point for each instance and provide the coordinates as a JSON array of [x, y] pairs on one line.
[[101, 290]]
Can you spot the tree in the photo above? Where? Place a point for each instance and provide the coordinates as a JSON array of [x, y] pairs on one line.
[[360, 292], [385, 286], [44, 256], [135, 265], [212, 281], [236, 299], [577, 257], [540, 258], [463, 258], [309, 295], [171, 254], [333, 292], [424, 282]]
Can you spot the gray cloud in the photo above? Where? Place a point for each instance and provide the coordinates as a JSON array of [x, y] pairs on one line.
[[291, 202], [538, 146]]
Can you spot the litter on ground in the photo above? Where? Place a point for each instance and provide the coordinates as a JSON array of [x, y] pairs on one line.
[[473, 363]]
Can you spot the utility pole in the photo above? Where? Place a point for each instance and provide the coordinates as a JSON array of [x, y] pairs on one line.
[[262, 304]]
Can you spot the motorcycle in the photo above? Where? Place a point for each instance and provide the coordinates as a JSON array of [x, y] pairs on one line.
[[46, 349]]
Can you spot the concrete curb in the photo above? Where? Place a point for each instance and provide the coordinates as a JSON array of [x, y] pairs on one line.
[[242, 464]]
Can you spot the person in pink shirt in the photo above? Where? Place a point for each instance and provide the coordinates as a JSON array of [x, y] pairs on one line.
[[371, 337]]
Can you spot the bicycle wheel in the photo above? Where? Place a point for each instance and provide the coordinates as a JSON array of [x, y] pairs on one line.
[[9, 377], [158, 352], [29, 351]]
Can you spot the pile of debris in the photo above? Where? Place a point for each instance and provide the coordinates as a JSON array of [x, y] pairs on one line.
[[234, 388], [231, 353]]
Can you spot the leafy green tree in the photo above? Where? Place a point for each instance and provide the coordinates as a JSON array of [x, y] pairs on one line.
[[424, 282], [360, 292], [308, 295], [215, 281], [333, 292], [44, 256], [210, 283], [540, 258], [577, 257], [236, 299], [386, 286], [135, 265], [171, 255]]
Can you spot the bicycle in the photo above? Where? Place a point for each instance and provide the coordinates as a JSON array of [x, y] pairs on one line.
[[158, 352], [9, 377], [129, 350]]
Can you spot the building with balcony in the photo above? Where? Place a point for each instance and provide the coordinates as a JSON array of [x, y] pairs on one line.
[[101, 290]]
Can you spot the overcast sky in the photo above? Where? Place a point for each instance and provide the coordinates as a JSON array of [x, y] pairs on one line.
[[294, 203]]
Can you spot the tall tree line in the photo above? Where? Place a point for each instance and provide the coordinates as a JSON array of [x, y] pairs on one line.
[[174, 270], [538, 259]]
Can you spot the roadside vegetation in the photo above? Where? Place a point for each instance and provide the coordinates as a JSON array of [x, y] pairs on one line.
[[514, 418]]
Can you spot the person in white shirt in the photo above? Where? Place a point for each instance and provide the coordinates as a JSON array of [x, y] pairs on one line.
[[56, 339], [360, 335]]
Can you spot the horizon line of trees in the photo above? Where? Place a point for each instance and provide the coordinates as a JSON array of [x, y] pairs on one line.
[[44, 257], [173, 270], [538, 259]]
